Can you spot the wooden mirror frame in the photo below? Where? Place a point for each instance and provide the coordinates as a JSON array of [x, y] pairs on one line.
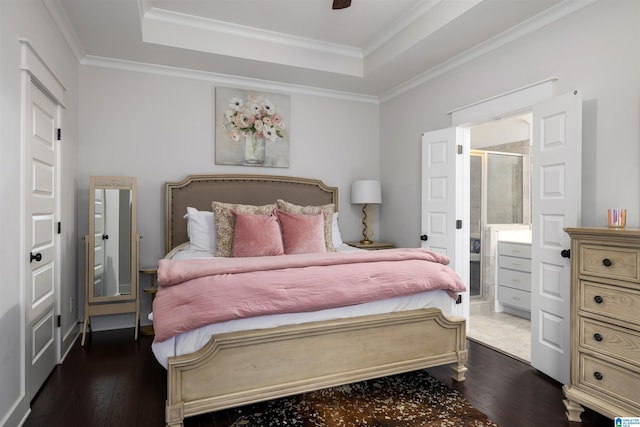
[[115, 304]]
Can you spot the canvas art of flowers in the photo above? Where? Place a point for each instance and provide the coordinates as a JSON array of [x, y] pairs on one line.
[[257, 116], [252, 128]]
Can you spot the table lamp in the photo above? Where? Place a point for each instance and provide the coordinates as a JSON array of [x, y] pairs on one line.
[[366, 192]]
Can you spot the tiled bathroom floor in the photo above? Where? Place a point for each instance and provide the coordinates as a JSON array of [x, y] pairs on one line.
[[504, 332]]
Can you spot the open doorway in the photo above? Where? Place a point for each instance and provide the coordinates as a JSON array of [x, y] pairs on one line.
[[555, 205], [500, 234]]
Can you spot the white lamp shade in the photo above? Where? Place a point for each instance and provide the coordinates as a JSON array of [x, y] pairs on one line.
[[366, 192]]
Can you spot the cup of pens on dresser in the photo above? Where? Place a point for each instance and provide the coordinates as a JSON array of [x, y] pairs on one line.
[[616, 218]]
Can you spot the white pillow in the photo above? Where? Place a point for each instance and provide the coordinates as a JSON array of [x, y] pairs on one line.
[[335, 231], [201, 230]]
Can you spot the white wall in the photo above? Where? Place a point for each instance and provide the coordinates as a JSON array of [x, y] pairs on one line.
[[160, 128], [30, 19], [596, 50]]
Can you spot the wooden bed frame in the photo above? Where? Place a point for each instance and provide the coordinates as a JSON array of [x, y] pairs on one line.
[[239, 368]]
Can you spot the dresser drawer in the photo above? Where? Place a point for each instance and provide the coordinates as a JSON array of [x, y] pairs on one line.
[[514, 263], [608, 339], [616, 382], [612, 262], [514, 279], [515, 298], [522, 250], [611, 301]]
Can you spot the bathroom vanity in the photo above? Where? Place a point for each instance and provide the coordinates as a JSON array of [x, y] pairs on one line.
[[514, 276]]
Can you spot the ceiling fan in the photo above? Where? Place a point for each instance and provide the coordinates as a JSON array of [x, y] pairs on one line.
[[341, 4]]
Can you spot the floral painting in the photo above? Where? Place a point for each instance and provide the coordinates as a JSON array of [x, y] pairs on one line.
[[252, 128]]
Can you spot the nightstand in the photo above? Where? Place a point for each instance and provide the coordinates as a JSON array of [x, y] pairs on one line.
[[373, 246], [152, 273]]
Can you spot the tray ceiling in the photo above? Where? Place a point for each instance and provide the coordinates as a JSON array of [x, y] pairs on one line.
[[370, 48]]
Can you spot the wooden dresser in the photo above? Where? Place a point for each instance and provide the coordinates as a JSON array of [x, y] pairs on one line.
[[605, 322]]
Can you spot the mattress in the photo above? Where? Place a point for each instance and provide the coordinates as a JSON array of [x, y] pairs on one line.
[[194, 340]]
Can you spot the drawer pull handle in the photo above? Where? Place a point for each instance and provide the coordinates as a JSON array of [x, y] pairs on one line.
[[598, 299], [597, 337], [598, 375], [607, 262]]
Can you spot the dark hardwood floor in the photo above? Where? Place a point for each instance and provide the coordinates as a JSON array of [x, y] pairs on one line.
[[115, 381]]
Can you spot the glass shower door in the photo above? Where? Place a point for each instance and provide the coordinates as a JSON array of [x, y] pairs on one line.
[[476, 213], [504, 189]]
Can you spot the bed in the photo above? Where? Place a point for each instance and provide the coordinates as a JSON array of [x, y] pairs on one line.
[[256, 364]]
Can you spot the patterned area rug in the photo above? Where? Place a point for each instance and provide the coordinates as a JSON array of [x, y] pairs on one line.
[[411, 399]]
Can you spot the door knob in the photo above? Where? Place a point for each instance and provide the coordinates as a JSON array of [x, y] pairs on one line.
[[105, 237], [37, 257], [565, 253], [424, 237]]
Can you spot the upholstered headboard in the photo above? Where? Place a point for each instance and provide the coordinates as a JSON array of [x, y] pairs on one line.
[[199, 191]]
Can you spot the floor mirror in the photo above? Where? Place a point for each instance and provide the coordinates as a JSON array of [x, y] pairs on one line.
[[111, 250]]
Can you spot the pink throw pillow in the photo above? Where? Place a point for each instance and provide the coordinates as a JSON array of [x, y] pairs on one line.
[[302, 234], [256, 235]]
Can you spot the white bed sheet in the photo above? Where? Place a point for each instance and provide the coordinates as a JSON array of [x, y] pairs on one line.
[[185, 252], [194, 340]]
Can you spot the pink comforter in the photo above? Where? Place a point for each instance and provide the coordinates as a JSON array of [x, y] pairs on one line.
[[194, 293]]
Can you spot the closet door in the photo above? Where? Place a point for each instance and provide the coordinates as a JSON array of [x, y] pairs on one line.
[[40, 282]]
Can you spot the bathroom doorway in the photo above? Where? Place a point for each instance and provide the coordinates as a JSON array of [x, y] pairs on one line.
[[556, 193], [500, 209]]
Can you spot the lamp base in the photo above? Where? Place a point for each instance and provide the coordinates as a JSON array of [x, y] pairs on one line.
[[366, 232]]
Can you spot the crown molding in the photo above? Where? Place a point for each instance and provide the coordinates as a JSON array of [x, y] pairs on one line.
[[186, 31], [414, 28], [531, 25], [407, 19], [61, 20], [224, 79], [224, 38], [257, 34]]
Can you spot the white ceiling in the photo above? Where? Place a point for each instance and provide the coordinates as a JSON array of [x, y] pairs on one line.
[[371, 48]]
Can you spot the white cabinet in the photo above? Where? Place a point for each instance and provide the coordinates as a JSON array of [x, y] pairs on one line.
[[514, 277]]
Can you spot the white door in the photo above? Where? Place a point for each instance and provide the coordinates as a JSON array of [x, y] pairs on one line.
[[556, 190], [445, 207], [41, 122]]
